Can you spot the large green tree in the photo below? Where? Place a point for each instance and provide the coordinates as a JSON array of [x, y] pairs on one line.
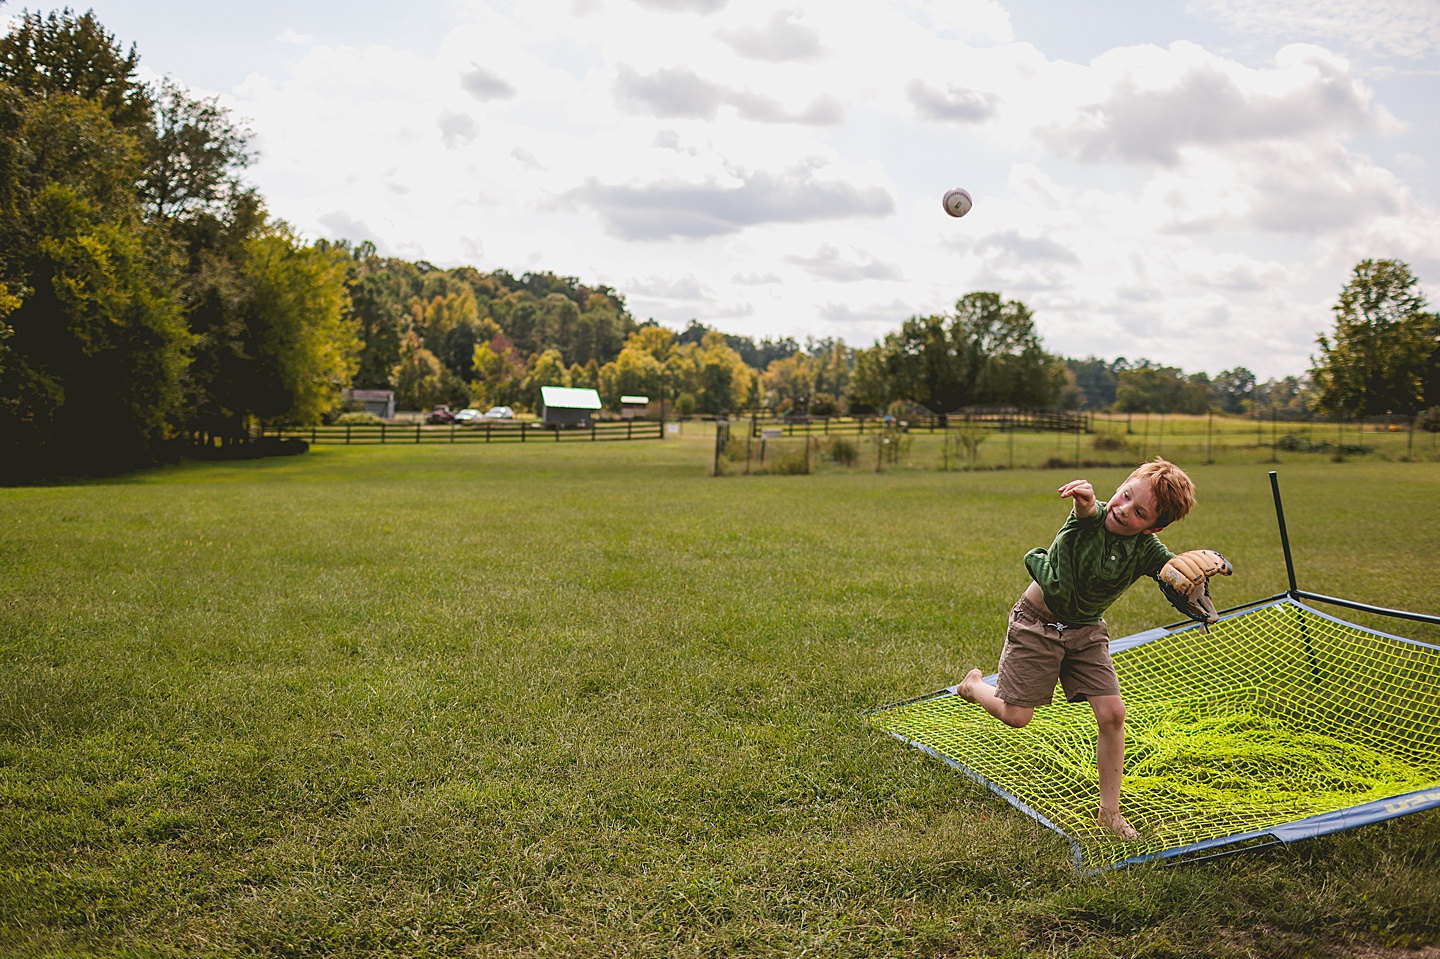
[[1149, 388], [193, 154], [1232, 391], [985, 352], [63, 53], [301, 338], [92, 347], [1383, 353]]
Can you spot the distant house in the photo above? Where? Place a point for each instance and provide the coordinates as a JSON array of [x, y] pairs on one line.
[[565, 406], [381, 403], [633, 406]]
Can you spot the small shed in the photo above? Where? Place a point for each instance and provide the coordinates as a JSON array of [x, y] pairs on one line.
[[566, 406], [380, 403], [633, 406]]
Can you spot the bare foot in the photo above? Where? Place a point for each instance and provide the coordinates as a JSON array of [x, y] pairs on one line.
[[1116, 823], [966, 689]]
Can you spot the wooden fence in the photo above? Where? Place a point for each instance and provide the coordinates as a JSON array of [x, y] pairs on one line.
[[488, 431]]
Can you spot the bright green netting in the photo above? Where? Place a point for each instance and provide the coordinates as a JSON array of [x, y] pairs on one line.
[[1270, 716]]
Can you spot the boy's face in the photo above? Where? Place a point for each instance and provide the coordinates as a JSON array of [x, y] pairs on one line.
[[1132, 509]]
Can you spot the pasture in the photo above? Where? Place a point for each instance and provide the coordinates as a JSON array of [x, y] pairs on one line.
[[584, 699]]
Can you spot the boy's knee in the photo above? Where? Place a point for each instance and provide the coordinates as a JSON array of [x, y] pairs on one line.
[[1018, 717], [1109, 712]]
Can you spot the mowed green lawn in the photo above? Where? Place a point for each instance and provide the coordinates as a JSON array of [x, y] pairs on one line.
[[583, 699]]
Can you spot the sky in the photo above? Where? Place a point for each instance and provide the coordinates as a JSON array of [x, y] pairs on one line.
[[1190, 182]]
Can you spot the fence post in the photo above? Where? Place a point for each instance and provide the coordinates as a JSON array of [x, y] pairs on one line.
[[592, 431], [487, 431], [312, 435], [523, 431], [417, 432], [452, 432], [382, 434], [347, 434], [1209, 435], [629, 428]]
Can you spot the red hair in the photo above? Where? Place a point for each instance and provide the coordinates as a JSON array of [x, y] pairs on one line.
[[1174, 491]]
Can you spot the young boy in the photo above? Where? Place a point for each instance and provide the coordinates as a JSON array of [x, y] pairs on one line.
[[1057, 630]]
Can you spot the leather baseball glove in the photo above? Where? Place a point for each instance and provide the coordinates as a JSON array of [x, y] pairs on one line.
[[1185, 582]]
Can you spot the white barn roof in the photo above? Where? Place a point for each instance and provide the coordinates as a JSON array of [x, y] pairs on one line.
[[568, 398]]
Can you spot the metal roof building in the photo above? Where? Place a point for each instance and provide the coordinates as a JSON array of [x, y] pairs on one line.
[[567, 406]]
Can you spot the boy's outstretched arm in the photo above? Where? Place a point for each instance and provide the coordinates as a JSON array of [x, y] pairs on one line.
[[1083, 494]]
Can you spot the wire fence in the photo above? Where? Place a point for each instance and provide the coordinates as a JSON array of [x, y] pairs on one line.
[[1011, 440], [1065, 421]]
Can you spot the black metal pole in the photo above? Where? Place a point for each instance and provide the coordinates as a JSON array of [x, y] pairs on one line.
[[1284, 534]]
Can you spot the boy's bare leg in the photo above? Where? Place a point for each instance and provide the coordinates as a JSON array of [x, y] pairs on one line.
[[973, 688], [1110, 762]]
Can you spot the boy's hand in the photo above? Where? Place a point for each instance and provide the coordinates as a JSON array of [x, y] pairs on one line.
[[1083, 494]]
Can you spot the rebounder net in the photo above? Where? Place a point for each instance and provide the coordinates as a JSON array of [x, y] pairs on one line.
[[1275, 724]]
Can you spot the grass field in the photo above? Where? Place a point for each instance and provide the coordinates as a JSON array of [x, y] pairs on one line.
[[584, 699]]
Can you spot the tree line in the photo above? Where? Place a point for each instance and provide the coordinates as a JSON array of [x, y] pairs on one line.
[[147, 295], [1382, 356]]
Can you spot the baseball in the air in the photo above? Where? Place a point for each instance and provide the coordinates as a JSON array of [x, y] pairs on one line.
[[958, 202]]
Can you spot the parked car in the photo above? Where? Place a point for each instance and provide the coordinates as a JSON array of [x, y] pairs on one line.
[[440, 414], [468, 416], [499, 413]]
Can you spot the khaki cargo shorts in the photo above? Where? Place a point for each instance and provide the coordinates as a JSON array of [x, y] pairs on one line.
[[1038, 653]]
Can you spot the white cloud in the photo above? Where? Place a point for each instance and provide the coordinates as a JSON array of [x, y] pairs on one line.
[[679, 93], [456, 129], [673, 93], [872, 319], [683, 6], [978, 21], [485, 85], [955, 103], [670, 287], [343, 226], [781, 39], [828, 263], [1157, 104], [674, 208], [526, 158], [1407, 28]]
